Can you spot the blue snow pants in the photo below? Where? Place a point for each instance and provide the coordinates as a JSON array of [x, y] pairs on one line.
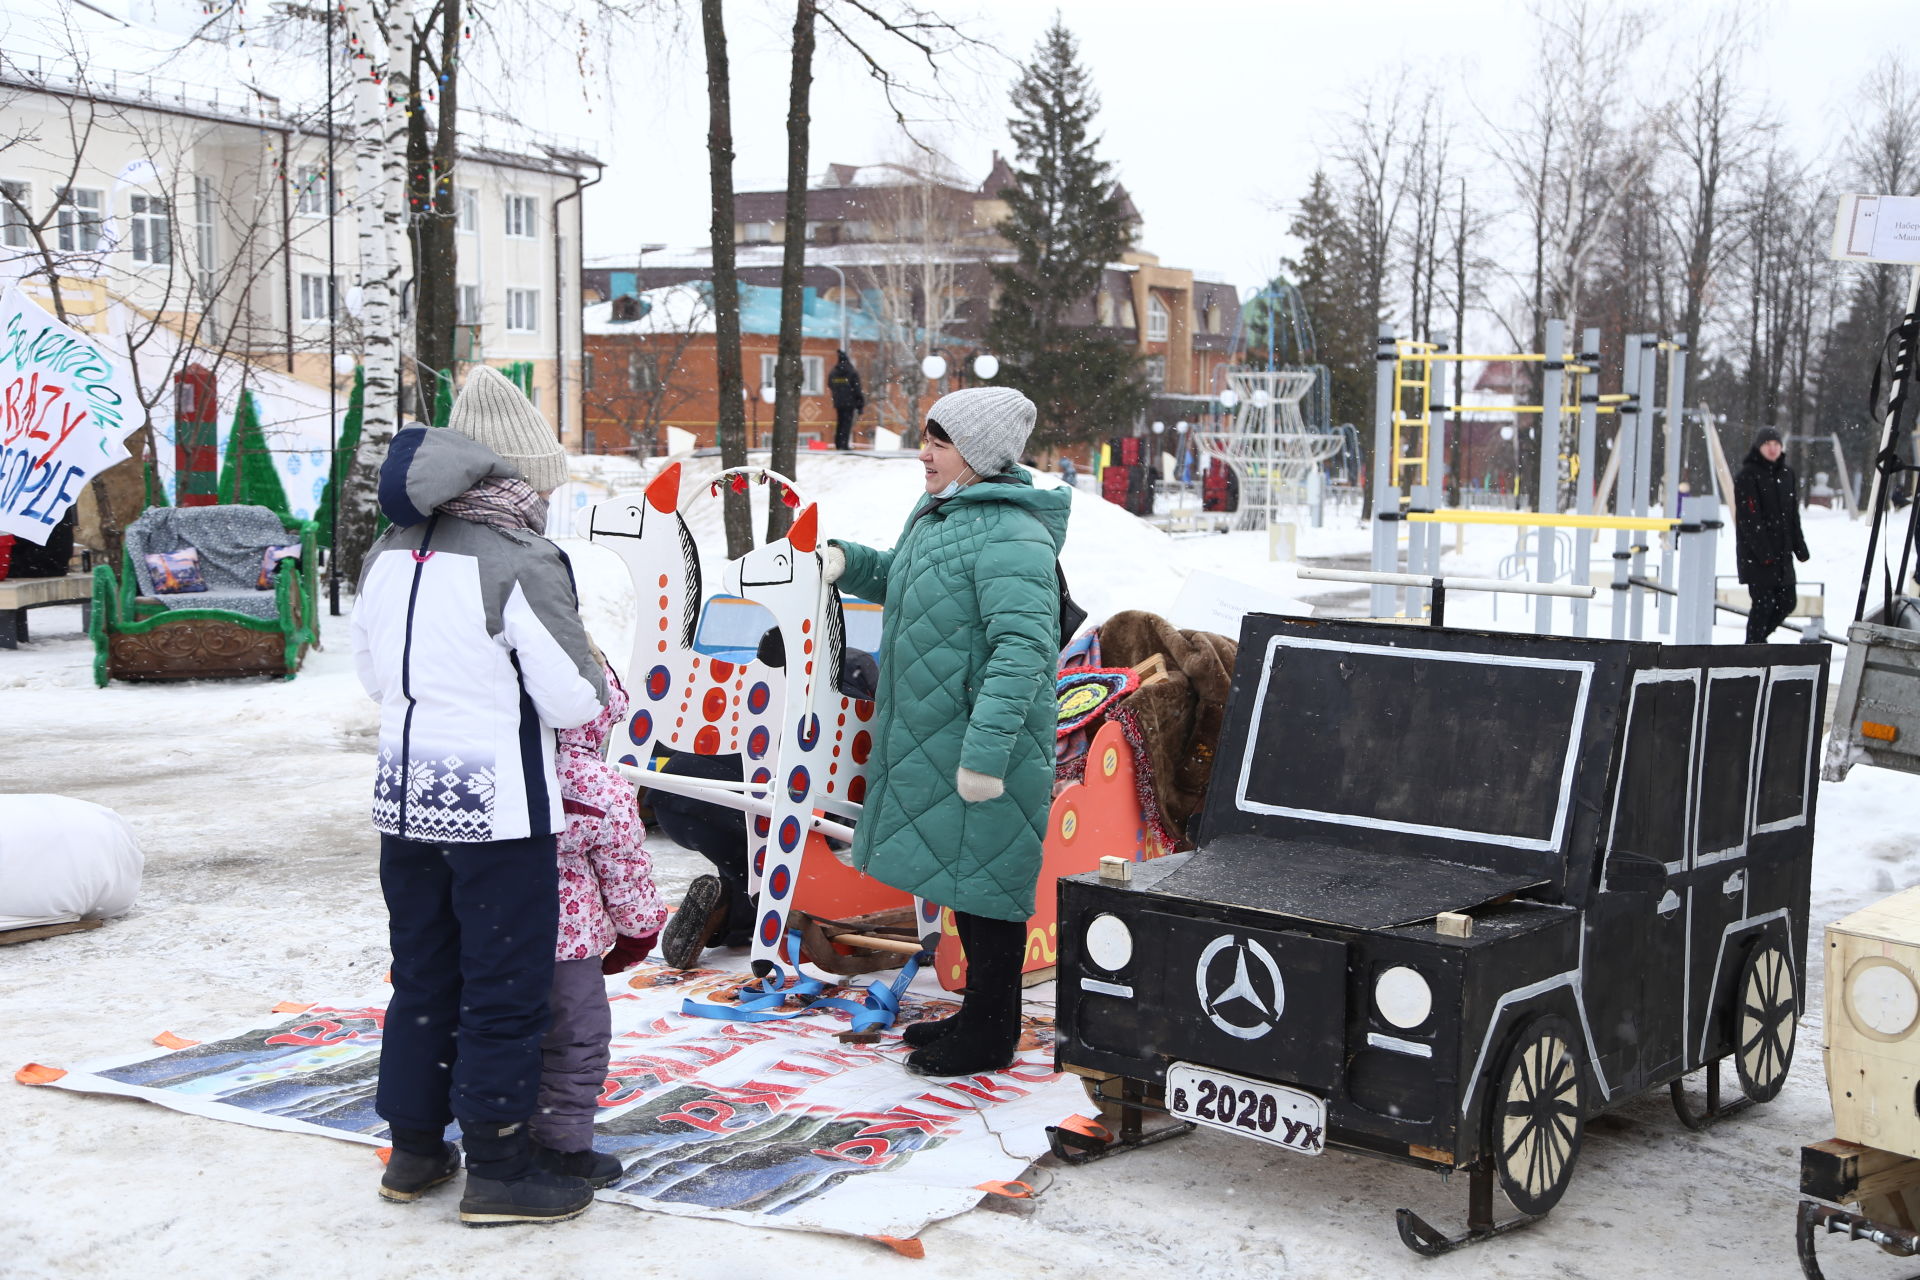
[[472, 928]]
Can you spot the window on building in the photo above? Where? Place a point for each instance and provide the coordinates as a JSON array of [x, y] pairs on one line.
[[1105, 307], [317, 297], [466, 209], [813, 373], [311, 183], [15, 199], [81, 219], [466, 304], [152, 230], [643, 370], [592, 442], [1127, 319], [758, 233], [1213, 318], [1156, 371], [586, 381], [1159, 319], [523, 217], [203, 250], [523, 310]]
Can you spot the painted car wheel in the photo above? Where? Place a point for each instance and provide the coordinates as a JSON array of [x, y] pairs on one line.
[[1536, 1124], [1763, 1022]]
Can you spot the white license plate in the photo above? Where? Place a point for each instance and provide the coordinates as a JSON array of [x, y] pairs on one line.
[[1271, 1112]]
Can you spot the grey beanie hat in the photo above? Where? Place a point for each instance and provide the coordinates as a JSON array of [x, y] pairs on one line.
[[495, 412], [988, 425]]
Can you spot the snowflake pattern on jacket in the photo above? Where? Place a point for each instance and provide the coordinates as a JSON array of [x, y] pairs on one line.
[[606, 877]]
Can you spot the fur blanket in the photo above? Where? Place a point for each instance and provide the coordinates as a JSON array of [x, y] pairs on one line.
[[1173, 724]]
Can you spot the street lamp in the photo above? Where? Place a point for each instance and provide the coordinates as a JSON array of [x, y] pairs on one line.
[[985, 367], [1228, 399], [935, 368]]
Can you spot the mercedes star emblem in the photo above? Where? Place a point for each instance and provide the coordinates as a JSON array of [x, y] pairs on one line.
[[1229, 987]]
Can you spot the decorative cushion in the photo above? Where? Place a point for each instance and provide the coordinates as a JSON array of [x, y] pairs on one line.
[[174, 572], [270, 560]]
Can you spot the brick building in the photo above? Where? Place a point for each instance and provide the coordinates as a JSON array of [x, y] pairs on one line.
[[909, 255]]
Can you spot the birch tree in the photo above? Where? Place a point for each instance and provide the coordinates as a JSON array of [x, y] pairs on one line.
[[381, 58]]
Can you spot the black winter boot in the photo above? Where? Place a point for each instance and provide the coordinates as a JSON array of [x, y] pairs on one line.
[[503, 1186], [696, 923], [420, 1160], [986, 1033], [922, 1034], [595, 1168]]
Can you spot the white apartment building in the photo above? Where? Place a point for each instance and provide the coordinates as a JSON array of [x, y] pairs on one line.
[[206, 206]]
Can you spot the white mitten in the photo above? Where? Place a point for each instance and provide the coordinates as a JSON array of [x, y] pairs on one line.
[[975, 787], [833, 563]]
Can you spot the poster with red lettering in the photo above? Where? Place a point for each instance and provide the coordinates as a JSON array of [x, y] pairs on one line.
[[774, 1124], [67, 405]]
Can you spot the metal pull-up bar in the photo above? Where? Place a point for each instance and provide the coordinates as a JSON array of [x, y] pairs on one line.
[[1531, 520], [1440, 584]]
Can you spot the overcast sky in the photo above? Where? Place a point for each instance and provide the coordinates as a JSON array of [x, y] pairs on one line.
[[1214, 115]]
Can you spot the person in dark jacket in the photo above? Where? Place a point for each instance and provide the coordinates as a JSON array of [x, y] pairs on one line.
[[1766, 529], [467, 632], [848, 400]]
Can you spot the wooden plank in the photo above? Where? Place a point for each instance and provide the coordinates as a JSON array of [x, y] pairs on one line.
[[1034, 977], [1840, 1171], [31, 593], [33, 933]]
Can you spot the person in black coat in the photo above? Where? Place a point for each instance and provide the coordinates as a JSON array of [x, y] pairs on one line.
[[848, 400], [1766, 529]]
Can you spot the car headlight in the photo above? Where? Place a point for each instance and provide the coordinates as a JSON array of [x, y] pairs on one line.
[[1881, 998], [1403, 997], [1109, 943]]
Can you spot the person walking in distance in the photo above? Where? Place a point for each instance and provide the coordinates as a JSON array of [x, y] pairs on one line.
[[467, 632], [848, 400], [1766, 529]]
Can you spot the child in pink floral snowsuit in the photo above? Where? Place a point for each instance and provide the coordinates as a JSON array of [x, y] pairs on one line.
[[608, 908]]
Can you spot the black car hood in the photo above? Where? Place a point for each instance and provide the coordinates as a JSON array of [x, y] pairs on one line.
[[1329, 885]]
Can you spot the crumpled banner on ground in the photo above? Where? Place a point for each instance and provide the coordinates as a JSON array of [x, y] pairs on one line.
[[770, 1124]]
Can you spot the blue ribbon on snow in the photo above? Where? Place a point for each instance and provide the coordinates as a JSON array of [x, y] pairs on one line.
[[876, 1012]]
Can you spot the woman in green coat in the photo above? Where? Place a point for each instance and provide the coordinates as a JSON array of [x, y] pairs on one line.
[[961, 774]]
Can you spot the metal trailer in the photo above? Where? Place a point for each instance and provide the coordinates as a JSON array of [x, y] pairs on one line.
[[1877, 718]]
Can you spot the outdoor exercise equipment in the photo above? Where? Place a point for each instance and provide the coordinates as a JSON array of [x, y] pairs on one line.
[[1410, 432]]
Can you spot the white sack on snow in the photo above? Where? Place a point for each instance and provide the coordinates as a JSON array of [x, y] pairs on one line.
[[63, 859]]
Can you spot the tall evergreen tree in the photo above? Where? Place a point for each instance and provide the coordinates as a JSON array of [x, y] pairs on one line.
[[1323, 272], [1066, 221]]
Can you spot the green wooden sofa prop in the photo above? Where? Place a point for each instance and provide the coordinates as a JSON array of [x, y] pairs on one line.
[[232, 628]]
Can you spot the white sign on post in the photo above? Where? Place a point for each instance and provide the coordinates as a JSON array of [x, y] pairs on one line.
[[66, 408], [1878, 229]]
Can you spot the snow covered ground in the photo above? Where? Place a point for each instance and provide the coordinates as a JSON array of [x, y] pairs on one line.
[[250, 800]]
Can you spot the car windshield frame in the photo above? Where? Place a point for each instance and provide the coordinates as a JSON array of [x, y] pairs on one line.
[[1553, 842]]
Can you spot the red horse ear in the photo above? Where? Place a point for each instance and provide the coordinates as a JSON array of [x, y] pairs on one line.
[[806, 530], [663, 494]]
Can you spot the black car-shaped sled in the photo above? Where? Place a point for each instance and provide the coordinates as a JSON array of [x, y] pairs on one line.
[[1453, 894]]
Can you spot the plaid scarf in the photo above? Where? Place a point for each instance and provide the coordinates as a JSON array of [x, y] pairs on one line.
[[505, 502]]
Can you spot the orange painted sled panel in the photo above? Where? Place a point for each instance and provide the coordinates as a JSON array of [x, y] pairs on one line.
[[1097, 817]]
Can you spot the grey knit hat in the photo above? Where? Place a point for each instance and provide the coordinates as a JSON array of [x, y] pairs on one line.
[[495, 412], [988, 425]]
